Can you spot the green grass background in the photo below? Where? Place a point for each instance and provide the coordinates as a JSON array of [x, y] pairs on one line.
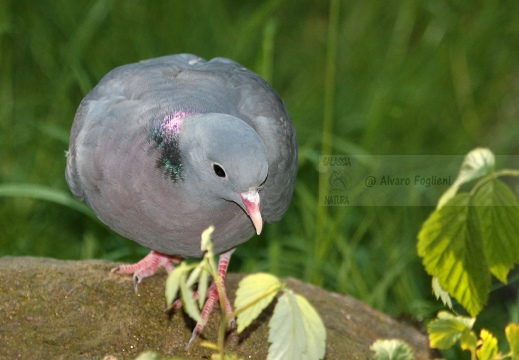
[[360, 76]]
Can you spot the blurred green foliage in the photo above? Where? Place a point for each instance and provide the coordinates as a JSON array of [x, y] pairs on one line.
[[401, 77]]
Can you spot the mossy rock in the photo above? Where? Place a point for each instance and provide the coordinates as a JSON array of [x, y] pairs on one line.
[[54, 309]]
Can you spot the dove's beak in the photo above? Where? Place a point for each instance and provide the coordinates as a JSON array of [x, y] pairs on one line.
[[251, 201]]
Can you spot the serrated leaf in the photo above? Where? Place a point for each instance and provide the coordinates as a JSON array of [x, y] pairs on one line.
[[452, 250], [488, 349], [286, 334], [446, 329], [440, 293], [498, 212], [392, 350], [254, 294], [173, 282], [477, 163], [188, 300], [466, 321], [315, 331], [512, 335]]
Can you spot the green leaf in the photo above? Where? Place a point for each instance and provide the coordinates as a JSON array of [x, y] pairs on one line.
[[173, 281], [452, 250], [188, 300], [148, 355], [203, 284], [209, 345], [296, 330], [254, 294], [488, 349], [498, 212], [512, 335], [315, 331], [446, 329], [151, 355], [469, 341], [477, 163], [287, 334], [227, 356], [392, 350], [195, 274], [207, 265], [440, 293]]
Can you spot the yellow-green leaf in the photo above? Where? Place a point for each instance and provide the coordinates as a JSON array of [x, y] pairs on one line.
[[446, 329], [209, 345], [227, 356], [174, 280], [254, 294], [477, 163], [203, 284], [452, 250], [440, 293], [148, 355], [512, 335], [207, 244], [392, 350], [195, 274], [469, 341], [315, 331], [287, 334], [188, 301], [488, 349], [498, 212], [296, 330]]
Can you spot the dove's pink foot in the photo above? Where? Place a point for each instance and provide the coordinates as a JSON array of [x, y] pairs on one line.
[[147, 266], [213, 296]]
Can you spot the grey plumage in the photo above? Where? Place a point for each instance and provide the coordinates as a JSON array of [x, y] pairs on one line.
[[142, 137]]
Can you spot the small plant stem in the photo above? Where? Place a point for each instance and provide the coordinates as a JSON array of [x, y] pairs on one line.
[[494, 175], [507, 172], [473, 354], [223, 322]]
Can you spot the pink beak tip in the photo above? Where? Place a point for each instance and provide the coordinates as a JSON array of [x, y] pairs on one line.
[[251, 200]]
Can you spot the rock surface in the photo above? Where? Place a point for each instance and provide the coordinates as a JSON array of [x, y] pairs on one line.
[[54, 309]]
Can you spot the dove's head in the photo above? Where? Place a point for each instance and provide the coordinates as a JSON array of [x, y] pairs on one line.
[[223, 158]]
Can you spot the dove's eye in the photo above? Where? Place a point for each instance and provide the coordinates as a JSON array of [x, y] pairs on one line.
[[219, 171]]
